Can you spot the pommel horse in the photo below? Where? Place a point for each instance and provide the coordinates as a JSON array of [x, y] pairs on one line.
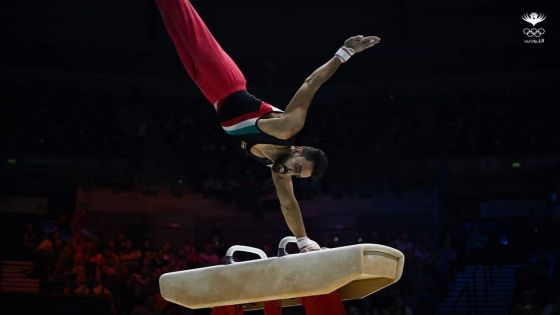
[[354, 271]]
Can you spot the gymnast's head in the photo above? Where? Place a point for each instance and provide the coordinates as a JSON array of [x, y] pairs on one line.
[[302, 162]]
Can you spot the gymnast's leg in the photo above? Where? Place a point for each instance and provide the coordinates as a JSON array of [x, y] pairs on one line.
[[209, 66]]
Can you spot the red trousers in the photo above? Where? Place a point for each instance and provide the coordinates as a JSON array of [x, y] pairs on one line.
[[208, 65]]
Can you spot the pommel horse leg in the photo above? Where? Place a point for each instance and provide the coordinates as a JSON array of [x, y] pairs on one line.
[[227, 310], [323, 304], [270, 308], [314, 305]]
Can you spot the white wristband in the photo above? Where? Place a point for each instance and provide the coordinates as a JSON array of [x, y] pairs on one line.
[[303, 241], [344, 53]]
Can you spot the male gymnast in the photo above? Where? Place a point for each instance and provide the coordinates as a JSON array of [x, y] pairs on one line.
[[264, 131]]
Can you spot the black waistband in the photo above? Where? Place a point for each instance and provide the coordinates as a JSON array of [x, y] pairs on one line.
[[237, 104]]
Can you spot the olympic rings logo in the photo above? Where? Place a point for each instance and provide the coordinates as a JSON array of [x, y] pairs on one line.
[[533, 32]]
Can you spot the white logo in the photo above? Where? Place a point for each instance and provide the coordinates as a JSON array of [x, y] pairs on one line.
[[533, 34], [534, 18]]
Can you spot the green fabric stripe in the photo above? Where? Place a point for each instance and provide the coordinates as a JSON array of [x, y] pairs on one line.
[[244, 131]]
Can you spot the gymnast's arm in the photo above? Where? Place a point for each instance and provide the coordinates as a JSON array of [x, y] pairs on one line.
[[293, 119], [288, 204]]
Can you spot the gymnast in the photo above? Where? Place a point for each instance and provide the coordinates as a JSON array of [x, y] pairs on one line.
[[264, 131]]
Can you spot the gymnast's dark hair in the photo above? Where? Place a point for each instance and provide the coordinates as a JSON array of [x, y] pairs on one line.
[[319, 158]]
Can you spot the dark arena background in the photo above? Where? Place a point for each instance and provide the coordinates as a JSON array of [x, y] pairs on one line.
[[443, 142]]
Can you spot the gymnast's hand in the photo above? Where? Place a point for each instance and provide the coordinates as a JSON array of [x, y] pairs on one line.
[[360, 43]]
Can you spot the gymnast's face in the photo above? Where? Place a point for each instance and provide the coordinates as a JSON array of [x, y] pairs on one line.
[[293, 164]]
